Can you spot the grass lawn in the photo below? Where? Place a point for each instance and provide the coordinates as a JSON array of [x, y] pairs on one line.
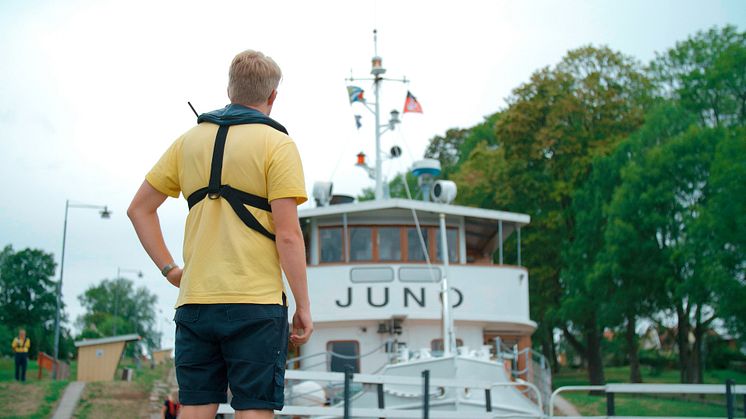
[[37, 399], [649, 405], [120, 399], [33, 399]]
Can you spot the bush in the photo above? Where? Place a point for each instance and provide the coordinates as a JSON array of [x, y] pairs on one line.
[[720, 355], [654, 360]]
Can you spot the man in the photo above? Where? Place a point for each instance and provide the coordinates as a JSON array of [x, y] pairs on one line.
[[21, 345], [242, 176]]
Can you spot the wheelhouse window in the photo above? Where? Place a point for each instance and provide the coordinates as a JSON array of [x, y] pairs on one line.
[[342, 354], [415, 250], [361, 244], [385, 244], [452, 240], [389, 244], [332, 245]]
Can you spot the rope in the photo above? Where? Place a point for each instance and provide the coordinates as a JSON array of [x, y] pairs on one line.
[[372, 351]]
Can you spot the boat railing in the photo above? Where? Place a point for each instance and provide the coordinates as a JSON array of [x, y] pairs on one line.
[[331, 389], [430, 395], [730, 390], [527, 365]]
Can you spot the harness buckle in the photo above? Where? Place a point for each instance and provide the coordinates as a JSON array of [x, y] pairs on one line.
[[213, 195]]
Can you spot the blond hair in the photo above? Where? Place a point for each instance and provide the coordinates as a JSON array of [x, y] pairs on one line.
[[252, 78]]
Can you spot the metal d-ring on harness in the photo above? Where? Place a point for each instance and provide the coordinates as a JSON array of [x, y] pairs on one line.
[[237, 199]]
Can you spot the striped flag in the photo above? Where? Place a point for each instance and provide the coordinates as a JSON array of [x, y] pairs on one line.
[[356, 94], [411, 104]]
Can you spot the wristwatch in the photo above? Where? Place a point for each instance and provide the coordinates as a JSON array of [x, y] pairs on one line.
[[166, 269]]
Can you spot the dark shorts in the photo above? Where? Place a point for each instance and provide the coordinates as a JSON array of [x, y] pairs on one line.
[[241, 345]]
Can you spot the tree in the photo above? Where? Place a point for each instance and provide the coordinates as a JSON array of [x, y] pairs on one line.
[[706, 73], [657, 211], [554, 127], [27, 295], [613, 268], [455, 148], [115, 307], [724, 221]]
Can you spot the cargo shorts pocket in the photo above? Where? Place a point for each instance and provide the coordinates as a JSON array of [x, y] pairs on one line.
[[187, 314]]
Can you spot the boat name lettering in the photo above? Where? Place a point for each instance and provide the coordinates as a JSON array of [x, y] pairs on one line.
[[411, 297]]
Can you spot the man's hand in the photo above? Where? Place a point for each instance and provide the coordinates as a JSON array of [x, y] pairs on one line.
[[174, 276], [302, 327]]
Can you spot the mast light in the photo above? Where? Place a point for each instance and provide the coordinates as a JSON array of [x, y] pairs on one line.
[[377, 66], [361, 159]]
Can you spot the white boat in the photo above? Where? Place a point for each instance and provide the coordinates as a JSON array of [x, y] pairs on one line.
[[376, 287]]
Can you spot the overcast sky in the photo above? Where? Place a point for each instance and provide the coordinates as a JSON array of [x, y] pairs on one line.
[[92, 92]]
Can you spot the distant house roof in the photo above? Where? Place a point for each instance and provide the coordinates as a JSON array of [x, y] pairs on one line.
[[103, 341]]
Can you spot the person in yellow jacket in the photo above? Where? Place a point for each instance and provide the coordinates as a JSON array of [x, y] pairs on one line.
[[21, 345]]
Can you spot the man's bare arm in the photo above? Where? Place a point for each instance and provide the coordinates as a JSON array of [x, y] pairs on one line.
[[292, 251], [143, 212]]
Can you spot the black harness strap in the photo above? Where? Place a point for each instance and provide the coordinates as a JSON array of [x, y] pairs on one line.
[[237, 199]]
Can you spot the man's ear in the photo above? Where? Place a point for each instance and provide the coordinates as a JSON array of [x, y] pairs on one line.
[[272, 97]]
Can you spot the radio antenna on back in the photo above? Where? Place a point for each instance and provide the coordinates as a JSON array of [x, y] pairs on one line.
[[195, 112]]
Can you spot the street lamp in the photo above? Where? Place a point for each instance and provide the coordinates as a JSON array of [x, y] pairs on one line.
[[135, 271], [116, 294], [105, 214]]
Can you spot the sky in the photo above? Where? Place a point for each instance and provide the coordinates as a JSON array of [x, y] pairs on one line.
[[93, 92]]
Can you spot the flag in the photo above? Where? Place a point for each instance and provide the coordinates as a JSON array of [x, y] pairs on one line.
[[411, 104], [356, 94], [358, 124]]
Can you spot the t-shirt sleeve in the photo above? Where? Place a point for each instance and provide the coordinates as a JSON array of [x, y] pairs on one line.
[[164, 176], [285, 174]]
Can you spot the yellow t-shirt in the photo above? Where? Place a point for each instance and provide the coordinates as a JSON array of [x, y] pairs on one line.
[[20, 346], [224, 260]]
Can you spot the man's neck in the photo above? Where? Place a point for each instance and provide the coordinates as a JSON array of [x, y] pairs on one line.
[[261, 108]]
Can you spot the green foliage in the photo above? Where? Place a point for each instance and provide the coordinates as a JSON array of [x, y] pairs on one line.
[[28, 299], [720, 355], [725, 219], [553, 129], [115, 307], [634, 183], [706, 73], [396, 188], [656, 361], [453, 149]]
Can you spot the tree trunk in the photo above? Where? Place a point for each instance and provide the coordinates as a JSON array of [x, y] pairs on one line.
[[682, 341], [579, 348], [547, 347], [555, 363], [595, 362], [632, 349], [697, 354]]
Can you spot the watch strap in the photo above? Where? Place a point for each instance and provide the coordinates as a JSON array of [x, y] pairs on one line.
[[166, 269]]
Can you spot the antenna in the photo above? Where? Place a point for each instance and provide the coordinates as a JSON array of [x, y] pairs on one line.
[[195, 112], [375, 42]]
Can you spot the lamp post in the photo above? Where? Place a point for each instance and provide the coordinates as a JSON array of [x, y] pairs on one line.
[[105, 214], [116, 293]]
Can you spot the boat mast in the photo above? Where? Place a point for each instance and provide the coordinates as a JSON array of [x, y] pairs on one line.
[[377, 70], [449, 335]]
